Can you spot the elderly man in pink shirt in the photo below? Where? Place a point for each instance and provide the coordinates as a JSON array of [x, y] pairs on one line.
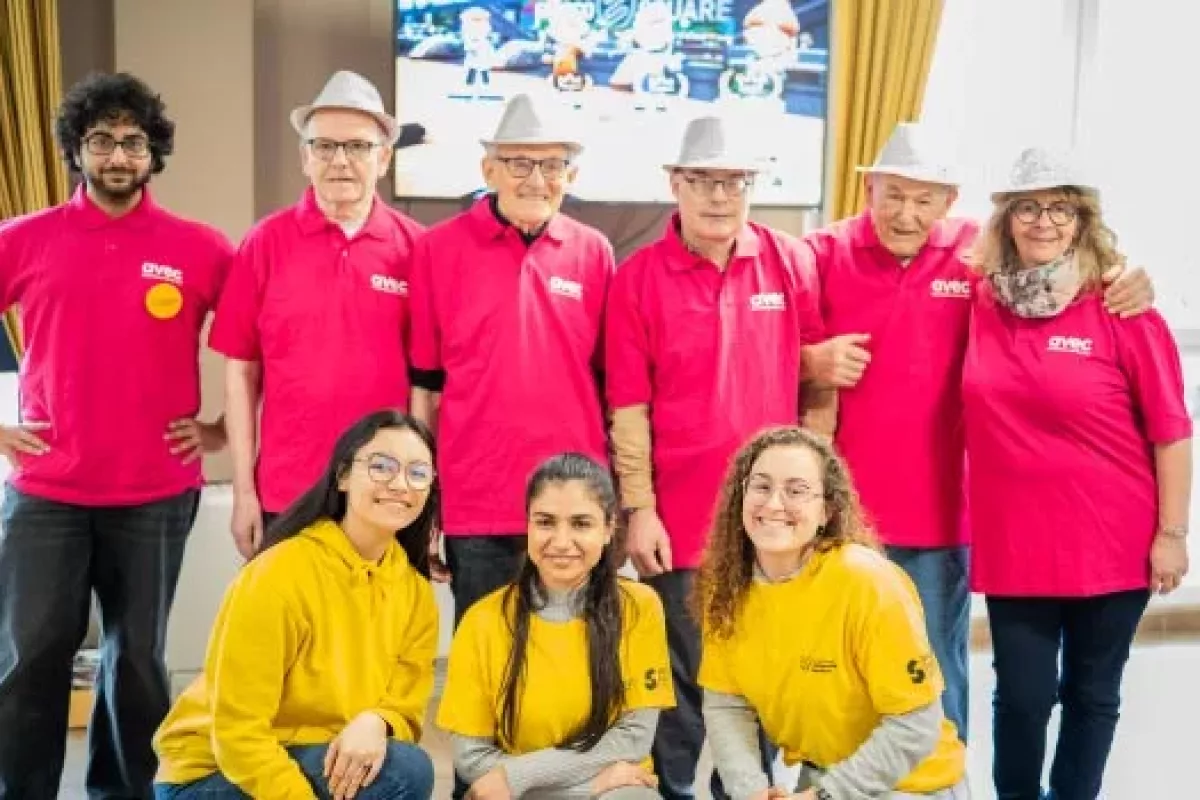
[[314, 316], [896, 302]]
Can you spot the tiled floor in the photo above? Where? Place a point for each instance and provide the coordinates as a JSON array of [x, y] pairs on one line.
[[1152, 757]]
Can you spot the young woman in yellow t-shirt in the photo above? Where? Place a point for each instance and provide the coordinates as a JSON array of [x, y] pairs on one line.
[[810, 630], [320, 664], [555, 682]]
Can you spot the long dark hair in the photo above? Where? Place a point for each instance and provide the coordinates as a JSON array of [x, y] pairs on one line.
[[326, 501], [602, 610]]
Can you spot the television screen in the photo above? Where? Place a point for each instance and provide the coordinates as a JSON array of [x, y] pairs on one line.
[[630, 74]]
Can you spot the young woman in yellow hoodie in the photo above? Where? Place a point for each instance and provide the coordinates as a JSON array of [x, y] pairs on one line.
[[320, 664], [556, 681]]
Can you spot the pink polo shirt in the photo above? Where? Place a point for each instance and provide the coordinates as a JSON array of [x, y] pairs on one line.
[[900, 428], [326, 317], [716, 356], [112, 312], [1062, 416], [516, 329]]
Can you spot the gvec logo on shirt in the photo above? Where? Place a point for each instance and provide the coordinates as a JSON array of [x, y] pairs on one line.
[[1070, 344], [389, 285], [768, 301], [944, 287], [566, 288], [162, 272]]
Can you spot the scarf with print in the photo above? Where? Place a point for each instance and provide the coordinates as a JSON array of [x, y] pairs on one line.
[[1038, 292]]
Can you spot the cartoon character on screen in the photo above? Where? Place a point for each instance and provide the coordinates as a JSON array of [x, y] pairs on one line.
[[652, 70], [479, 54], [568, 31], [771, 30]]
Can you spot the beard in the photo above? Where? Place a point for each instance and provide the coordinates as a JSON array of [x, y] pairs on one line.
[[118, 185]]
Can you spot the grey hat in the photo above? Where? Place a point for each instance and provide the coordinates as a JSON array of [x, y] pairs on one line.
[[1040, 168], [908, 154], [524, 123], [706, 145], [350, 91]]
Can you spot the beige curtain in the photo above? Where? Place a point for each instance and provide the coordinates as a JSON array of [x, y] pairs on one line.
[[32, 175], [881, 57]]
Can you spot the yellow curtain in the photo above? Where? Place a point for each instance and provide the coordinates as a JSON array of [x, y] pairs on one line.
[[32, 175], [881, 56]]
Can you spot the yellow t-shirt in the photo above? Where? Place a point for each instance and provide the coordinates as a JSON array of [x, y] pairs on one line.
[[822, 657], [309, 635], [557, 695]]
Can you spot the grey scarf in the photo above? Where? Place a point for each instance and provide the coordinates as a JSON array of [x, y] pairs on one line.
[[1038, 292]]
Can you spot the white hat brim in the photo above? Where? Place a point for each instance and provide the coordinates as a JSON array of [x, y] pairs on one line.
[[299, 118], [727, 164], [535, 141], [1041, 186], [916, 174]]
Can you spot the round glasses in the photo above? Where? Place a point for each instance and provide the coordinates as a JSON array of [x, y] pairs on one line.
[[796, 493], [522, 167], [1030, 211], [355, 149], [383, 470], [734, 186], [104, 144]]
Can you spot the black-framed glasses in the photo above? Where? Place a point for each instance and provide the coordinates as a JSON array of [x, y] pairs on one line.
[[522, 167], [759, 490], [1029, 211], [104, 144], [355, 149], [383, 469], [734, 185]]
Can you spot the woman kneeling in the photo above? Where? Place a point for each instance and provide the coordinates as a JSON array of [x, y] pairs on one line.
[[320, 664], [556, 681], [811, 631]]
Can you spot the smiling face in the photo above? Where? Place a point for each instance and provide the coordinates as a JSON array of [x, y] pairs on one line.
[[567, 534], [784, 501], [388, 482], [530, 181], [115, 159], [904, 211], [344, 176], [1043, 225]]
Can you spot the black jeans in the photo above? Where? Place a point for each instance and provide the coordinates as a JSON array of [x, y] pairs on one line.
[[52, 557], [1095, 635], [479, 565], [680, 734]]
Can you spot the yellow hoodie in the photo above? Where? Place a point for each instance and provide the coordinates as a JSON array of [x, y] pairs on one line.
[[309, 636]]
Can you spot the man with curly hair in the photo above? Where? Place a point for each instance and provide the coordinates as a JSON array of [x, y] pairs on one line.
[[113, 291]]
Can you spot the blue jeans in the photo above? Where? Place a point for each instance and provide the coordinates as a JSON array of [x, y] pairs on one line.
[[940, 574], [407, 774], [53, 556], [1094, 635]]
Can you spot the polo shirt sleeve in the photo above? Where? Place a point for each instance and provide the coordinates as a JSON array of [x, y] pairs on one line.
[[223, 254], [425, 336], [1149, 357], [608, 268], [627, 360], [806, 291], [8, 267], [235, 330]]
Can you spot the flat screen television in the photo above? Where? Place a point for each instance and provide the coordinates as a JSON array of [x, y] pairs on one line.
[[629, 74]]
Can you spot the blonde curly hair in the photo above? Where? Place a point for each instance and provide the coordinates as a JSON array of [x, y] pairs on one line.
[[727, 568], [1095, 243]]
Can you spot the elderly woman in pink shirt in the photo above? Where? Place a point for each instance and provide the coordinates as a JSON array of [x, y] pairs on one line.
[[1080, 451]]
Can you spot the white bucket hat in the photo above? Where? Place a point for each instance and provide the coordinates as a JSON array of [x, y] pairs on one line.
[[1041, 168], [524, 123], [909, 154], [351, 91], [705, 145]]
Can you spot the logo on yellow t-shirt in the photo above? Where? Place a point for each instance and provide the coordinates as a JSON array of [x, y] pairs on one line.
[[918, 668], [164, 301], [655, 676]]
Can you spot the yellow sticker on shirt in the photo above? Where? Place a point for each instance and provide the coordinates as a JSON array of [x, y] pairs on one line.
[[164, 301]]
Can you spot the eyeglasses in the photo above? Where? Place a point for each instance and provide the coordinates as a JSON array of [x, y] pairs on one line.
[[522, 167], [383, 469], [735, 186], [103, 144], [356, 149], [1030, 211], [759, 491]]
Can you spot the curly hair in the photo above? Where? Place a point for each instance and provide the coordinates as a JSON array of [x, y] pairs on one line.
[[727, 568], [1095, 243], [101, 97]]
